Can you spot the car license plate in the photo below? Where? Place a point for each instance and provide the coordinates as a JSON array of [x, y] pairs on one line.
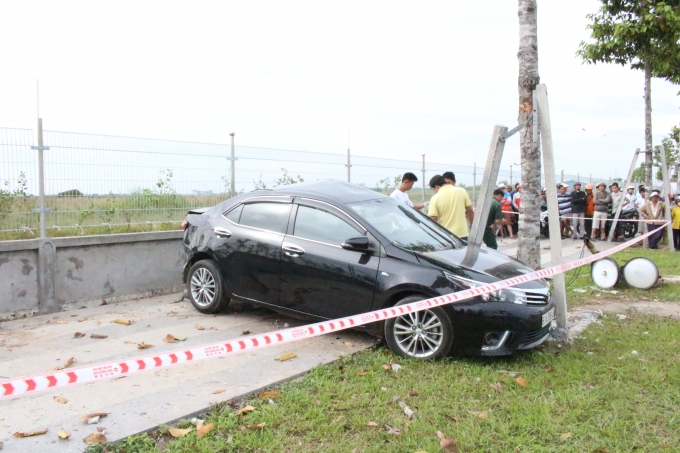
[[547, 317]]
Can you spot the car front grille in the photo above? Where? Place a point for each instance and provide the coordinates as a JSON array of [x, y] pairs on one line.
[[537, 298]]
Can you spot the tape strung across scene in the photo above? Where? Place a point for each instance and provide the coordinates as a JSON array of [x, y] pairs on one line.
[[29, 385]]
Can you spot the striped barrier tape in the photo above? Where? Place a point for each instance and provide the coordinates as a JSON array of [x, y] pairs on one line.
[[29, 385]]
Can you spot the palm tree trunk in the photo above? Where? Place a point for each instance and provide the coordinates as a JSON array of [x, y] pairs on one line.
[[528, 248], [648, 125]]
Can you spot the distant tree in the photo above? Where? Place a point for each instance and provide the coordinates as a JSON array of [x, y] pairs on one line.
[[644, 34], [671, 144], [70, 193]]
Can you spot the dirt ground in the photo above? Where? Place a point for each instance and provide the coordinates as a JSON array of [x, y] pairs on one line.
[[668, 309]]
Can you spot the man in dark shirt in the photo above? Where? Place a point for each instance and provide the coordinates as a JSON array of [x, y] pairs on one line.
[[495, 218], [578, 209]]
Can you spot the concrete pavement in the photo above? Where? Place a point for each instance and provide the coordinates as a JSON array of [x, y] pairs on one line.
[[140, 402]]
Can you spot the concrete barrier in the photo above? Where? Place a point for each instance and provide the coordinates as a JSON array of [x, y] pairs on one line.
[[44, 276]]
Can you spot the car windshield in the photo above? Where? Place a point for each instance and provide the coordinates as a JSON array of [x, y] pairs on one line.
[[404, 226]]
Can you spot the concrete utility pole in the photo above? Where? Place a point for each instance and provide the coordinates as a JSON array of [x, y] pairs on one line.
[[233, 165]]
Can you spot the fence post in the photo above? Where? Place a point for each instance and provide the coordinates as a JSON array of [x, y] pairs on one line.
[[423, 170], [233, 166], [474, 183], [348, 165], [41, 178]]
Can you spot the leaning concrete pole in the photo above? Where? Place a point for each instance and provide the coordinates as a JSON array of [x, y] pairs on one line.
[[667, 194]]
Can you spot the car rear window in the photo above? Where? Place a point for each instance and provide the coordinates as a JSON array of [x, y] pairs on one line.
[[266, 216]]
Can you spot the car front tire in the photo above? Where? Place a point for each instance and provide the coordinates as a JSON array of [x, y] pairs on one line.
[[422, 335], [204, 286]]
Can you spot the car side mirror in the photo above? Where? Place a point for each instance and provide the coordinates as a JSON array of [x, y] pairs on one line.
[[358, 244]]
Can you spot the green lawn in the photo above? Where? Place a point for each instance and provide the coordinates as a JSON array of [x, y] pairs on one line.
[[668, 263], [614, 390]]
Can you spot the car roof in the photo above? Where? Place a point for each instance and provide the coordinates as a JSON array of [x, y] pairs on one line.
[[331, 190]]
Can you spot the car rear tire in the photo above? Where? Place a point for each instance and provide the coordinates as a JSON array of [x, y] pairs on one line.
[[204, 286], [422, 335]]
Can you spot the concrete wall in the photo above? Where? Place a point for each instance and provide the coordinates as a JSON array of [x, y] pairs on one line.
[[53, 274]]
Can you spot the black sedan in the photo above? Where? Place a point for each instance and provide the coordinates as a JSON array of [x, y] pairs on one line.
[[330, 249]]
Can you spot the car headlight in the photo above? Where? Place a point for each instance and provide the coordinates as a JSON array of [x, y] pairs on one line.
[[514, 295]]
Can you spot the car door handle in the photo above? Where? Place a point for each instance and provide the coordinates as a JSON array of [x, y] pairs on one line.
[[221, 232], [293, 250]]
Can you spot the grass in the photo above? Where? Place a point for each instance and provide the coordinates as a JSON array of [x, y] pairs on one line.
[[596, 395], [667, 261]]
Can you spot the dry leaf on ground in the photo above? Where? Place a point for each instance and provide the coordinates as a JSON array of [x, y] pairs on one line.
[[98, 337], [246, 332], [60, 399], [480, 415], [180, 337], [143, 345], [244, 410], [64, 433], [287, 356], [497, 387], [176, 432], [363, 373], [78, 335], [219, 391], [97, 322], [60, 321], [123, 321], [392, 429], [169, 338], [258, 426], [565, 436], [30, 433], [447, 445], [202, 430], [521, 382], [130, 342], [386, 367], [412, 393], [271, 394], [85, 418], [68, 363], [213, 328], [372, 424], [199, 327]]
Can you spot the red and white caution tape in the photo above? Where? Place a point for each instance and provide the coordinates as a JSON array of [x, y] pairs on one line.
[[29, 385]]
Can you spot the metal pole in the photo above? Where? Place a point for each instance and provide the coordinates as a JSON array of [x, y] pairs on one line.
[[667, 190], [348, 166], [41, 178], [629, 178], [474, 183], [560, 291], [423, 178], [233, 166]]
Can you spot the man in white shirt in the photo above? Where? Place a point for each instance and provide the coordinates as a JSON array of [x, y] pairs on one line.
[[631, 200], [399, 193]]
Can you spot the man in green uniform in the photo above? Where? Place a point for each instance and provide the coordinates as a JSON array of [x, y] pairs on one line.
[[495, 218]]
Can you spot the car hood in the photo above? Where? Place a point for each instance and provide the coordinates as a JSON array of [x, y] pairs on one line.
[[487, 265]]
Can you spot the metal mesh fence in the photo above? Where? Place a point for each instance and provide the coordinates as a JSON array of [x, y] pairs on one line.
[[98, 184]]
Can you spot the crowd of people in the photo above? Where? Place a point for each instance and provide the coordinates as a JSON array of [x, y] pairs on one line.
[[583, 214]]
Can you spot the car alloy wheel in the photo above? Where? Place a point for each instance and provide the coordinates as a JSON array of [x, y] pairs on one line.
[[422, 335], [205, 287]]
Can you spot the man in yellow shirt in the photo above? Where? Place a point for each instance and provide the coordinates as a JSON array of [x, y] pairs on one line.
[[450, 206]]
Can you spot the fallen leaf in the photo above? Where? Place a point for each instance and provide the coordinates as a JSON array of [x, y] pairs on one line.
[[103, 302], [95, 439], [245, 332], [199, 327], [521, 382], [60, 399], [287, 356], [412, 393], [78, 335], [447, 445], [363, 373], [64, 433], [386, 367], [213, 328], [258, 426], [180, 337], [452, 417], [81, 320], [497, 387], [338, 419], [565, 436], [85, 418], [176, 432], [30, 433], [272, 394], [202, 430], [60, 321], [123, 321], [372, 424], [391, 429], [478, 414], [219, 391], [143, 345], [169, 338], [97, 322], [130, 342], [244, 410], [68, 363], [98, 336], [100, 429]]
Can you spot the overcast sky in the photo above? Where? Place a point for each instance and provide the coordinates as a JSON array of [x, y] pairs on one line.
[[392, 78]]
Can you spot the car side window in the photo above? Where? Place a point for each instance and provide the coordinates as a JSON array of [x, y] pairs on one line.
[[266, 216], [235, 214], [322, 226]]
